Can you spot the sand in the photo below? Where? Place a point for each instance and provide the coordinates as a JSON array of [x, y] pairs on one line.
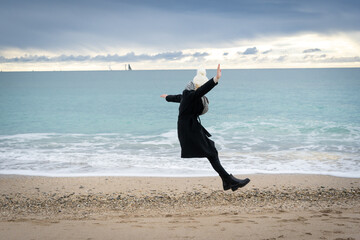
[[270, 207]]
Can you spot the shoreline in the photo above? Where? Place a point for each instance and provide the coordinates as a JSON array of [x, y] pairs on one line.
[[287, 205], [173, 176], [12, 183]]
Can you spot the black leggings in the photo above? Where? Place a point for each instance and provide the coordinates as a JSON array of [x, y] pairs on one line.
[[215, 163]]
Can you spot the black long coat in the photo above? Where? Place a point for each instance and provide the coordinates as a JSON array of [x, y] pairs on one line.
[[193, 137]]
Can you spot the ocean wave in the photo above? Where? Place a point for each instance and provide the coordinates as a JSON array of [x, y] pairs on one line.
[[241, 152]]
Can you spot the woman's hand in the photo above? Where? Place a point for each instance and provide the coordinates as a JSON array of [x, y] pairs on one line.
[[163, 95], [218, 74]]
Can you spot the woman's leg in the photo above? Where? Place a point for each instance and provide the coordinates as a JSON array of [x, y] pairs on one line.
[[215, 163], [229, 181]]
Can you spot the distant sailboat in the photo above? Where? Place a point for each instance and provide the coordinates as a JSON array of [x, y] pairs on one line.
[[128, 67]]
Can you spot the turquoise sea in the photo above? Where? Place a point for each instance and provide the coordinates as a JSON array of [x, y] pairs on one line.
[[115, 123]]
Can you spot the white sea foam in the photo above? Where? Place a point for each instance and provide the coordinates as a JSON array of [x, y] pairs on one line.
[[158, 155]]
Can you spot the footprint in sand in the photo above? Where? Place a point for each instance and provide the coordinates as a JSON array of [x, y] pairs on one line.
[[299, 219], [349, 238], [138, 226]]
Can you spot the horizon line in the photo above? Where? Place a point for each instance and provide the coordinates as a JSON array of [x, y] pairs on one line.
[[177, 69]]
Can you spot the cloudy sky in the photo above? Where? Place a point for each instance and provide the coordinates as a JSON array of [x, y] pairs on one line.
[[166, 34]]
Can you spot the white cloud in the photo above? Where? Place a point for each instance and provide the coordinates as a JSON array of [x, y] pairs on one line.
[[267, 51], [311, 50], [250, 51], [335, 50]]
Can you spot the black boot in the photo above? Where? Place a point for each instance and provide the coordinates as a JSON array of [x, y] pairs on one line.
[[234, 183]]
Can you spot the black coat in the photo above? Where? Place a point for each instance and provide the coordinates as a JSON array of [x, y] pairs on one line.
[[193, 137]]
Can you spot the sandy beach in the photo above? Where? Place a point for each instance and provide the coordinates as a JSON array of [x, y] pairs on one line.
[[270, 207]]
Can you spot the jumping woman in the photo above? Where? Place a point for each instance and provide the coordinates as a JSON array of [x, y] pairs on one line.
[[193, 137]]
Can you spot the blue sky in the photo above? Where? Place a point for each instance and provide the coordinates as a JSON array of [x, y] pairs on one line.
[[96, 35]]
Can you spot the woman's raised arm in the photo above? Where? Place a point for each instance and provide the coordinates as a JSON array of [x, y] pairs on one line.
[[218, 74]]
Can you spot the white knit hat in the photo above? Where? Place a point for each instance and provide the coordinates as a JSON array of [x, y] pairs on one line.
[[200, 77]]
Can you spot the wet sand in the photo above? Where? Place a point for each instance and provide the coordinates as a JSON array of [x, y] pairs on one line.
[[270, 207]]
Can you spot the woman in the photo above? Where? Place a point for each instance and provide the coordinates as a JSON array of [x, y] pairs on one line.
[[193, 137]]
